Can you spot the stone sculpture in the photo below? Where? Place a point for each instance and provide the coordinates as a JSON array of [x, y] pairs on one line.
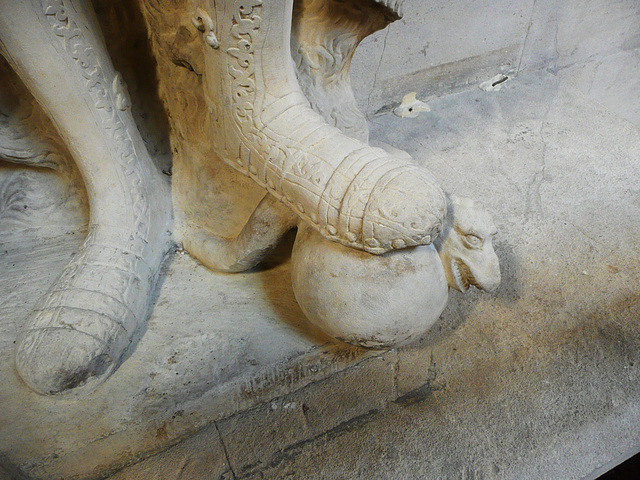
[[466, 247], [392, 299], [349, 192], [237, 99], [80, 329]]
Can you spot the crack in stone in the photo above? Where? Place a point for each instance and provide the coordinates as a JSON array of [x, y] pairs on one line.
[[375, 75], [294, 450], [534, 199], [224, 449], [585, 234], [396, 373], [526, 36]]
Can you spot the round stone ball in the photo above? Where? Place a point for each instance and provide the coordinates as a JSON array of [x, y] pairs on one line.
[[374, 301]]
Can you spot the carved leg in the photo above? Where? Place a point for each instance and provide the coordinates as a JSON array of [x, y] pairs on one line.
[[351, 193], [325, 34], [262, 232], [80, 329]]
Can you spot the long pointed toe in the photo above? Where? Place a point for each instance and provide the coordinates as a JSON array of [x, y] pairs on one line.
[[52, 361]]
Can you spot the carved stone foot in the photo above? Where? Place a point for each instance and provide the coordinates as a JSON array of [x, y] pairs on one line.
[[82, 359], [80, 329], [268, 223], [348, 191]]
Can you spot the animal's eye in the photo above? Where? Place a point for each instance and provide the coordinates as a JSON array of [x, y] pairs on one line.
[[472, 241]]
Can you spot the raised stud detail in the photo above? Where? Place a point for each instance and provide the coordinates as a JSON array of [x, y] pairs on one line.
[[398, 244]]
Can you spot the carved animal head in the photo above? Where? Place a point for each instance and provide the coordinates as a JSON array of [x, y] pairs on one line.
[[465, 246]]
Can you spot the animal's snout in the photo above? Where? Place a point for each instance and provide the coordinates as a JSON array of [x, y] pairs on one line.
[[492, 276]]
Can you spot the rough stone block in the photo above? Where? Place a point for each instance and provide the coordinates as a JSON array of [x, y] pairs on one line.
[[363, 388], [252, 437], [262, 436], [199, 457]]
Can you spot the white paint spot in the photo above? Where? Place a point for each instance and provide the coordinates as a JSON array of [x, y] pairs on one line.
[[411, 107]]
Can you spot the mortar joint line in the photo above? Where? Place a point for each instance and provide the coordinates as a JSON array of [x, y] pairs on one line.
[[224, 449]]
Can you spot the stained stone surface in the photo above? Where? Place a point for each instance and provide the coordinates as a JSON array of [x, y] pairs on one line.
[[215, 344], [442, 46], [541, 380], [538, 380]]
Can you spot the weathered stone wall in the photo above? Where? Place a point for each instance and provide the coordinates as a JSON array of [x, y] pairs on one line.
[[442, 46]]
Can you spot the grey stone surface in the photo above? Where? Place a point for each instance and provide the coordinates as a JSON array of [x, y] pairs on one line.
[[538, 381], [438, 46], [200, 457], [612, 81], [446, 46], [215, 344], [260, 438]]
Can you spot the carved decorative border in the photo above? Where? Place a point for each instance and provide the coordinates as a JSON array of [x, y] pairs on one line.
[[109, 97], [350, 205]]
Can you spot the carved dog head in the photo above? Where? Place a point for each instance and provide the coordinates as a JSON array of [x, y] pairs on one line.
[[465, 246]]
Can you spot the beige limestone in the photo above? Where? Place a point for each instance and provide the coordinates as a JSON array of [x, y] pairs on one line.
[[393, 299], [236, 99], [80, 329], [329, 180]]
